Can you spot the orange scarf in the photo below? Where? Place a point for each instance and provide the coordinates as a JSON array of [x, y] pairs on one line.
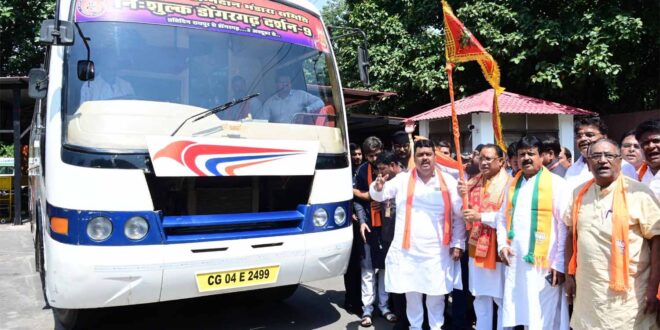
[[619, 247], [409, 201], [486, 196], [375, 211], [641, 171]]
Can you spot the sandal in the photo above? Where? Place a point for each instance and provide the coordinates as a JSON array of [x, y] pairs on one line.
[[390, 317], [366, 321]]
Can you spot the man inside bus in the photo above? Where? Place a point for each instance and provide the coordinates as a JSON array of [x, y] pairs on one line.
[[287, 104], [106, 85], [241, 110]]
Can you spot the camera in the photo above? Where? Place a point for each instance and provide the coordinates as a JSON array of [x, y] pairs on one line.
[[471, 127]]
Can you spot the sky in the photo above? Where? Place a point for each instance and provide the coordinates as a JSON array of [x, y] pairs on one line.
[[319, 3]]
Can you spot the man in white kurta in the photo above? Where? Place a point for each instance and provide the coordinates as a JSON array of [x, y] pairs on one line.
[[428, 266], [485, 194], [587, 131], [529, 298]]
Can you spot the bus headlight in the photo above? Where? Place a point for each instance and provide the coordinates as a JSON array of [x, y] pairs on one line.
[[136, 228], [320, 217], [99, 229], [340, 216]]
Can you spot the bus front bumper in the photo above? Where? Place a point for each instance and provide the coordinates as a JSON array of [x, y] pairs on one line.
[[79, 276]]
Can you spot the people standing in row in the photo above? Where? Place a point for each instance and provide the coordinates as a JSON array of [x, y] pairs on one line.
[[587, 131], [648, 135], [613, 220], [485, 194], [368, 211], [566, 157], [428, 238], [631, 151], [352, 291], [550, 153], [531, 239]]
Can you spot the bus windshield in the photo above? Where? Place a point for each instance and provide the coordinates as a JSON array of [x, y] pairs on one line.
[[150, 78]]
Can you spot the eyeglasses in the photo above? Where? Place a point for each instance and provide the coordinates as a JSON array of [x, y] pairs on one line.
[[631, 145], [599, 156]]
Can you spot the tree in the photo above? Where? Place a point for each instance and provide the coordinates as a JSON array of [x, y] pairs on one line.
[[600, 56], [20, 21]]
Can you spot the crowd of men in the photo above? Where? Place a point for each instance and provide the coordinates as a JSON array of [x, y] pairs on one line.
[[529, 239]]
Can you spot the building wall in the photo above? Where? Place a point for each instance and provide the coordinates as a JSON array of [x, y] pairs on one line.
[[514, 126]]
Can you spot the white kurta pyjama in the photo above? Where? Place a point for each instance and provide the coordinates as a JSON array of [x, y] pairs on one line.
[[486, 282], [427, 266], [528, 298]]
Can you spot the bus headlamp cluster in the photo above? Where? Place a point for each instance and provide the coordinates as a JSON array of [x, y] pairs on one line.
[[136, 228], [340, 216], [320, 217], [100, 228]]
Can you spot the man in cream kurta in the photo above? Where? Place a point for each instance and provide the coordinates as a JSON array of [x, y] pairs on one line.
[[428, 266], [529, 298], [596, 306]]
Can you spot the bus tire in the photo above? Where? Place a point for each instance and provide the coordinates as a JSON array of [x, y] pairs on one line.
[[39, 249]]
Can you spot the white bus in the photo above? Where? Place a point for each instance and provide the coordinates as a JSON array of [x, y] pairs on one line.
[[186, 148]]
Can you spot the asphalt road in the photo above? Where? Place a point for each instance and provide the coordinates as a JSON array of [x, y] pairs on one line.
[[315, 305]]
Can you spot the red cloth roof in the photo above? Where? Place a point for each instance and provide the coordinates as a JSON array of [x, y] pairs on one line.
[[509, 103]]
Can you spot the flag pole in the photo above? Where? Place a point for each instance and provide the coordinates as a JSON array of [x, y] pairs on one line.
[[455, 129]]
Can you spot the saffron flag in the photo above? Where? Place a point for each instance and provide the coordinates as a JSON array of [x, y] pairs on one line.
[[462, 46]]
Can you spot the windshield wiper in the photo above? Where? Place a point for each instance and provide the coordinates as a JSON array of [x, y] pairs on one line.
[[214, 110]]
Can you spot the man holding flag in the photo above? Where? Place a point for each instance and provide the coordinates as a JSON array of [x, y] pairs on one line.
[[429, 236], [485, 193], [531, 239]]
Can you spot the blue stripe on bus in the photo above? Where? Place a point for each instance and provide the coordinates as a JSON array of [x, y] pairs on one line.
[[283, 223]]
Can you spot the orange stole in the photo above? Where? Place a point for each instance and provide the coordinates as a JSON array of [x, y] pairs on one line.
[[409, 202], [485, 196], [375, 212], [641, 171]]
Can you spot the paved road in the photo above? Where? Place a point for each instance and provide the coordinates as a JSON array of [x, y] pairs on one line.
[[315, 305]]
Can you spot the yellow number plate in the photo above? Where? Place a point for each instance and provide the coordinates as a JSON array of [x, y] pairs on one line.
[[236, 278]]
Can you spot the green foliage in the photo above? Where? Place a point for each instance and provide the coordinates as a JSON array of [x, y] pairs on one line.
[[601, 56], [6, 150], [20, 21]]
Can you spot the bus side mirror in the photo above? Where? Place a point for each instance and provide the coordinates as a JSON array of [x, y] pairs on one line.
[[85, 70], [51, 35], [363, 65], [37, 83]]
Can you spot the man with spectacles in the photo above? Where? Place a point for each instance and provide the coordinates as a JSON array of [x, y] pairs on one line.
[[648, 135], [631, 151], [531, 239], [613, 247], [401, 147], [587, 131], [485, 271]]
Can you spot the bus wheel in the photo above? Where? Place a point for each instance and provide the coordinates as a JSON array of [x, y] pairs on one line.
[[39, 252]]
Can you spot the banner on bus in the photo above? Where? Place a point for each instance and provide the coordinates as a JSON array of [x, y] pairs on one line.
[[177, 157], [255, 18]]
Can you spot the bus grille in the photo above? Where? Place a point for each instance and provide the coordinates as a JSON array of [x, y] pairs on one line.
[[195, 228]]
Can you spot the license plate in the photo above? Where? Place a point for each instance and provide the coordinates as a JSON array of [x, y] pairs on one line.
[[236, 278]]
